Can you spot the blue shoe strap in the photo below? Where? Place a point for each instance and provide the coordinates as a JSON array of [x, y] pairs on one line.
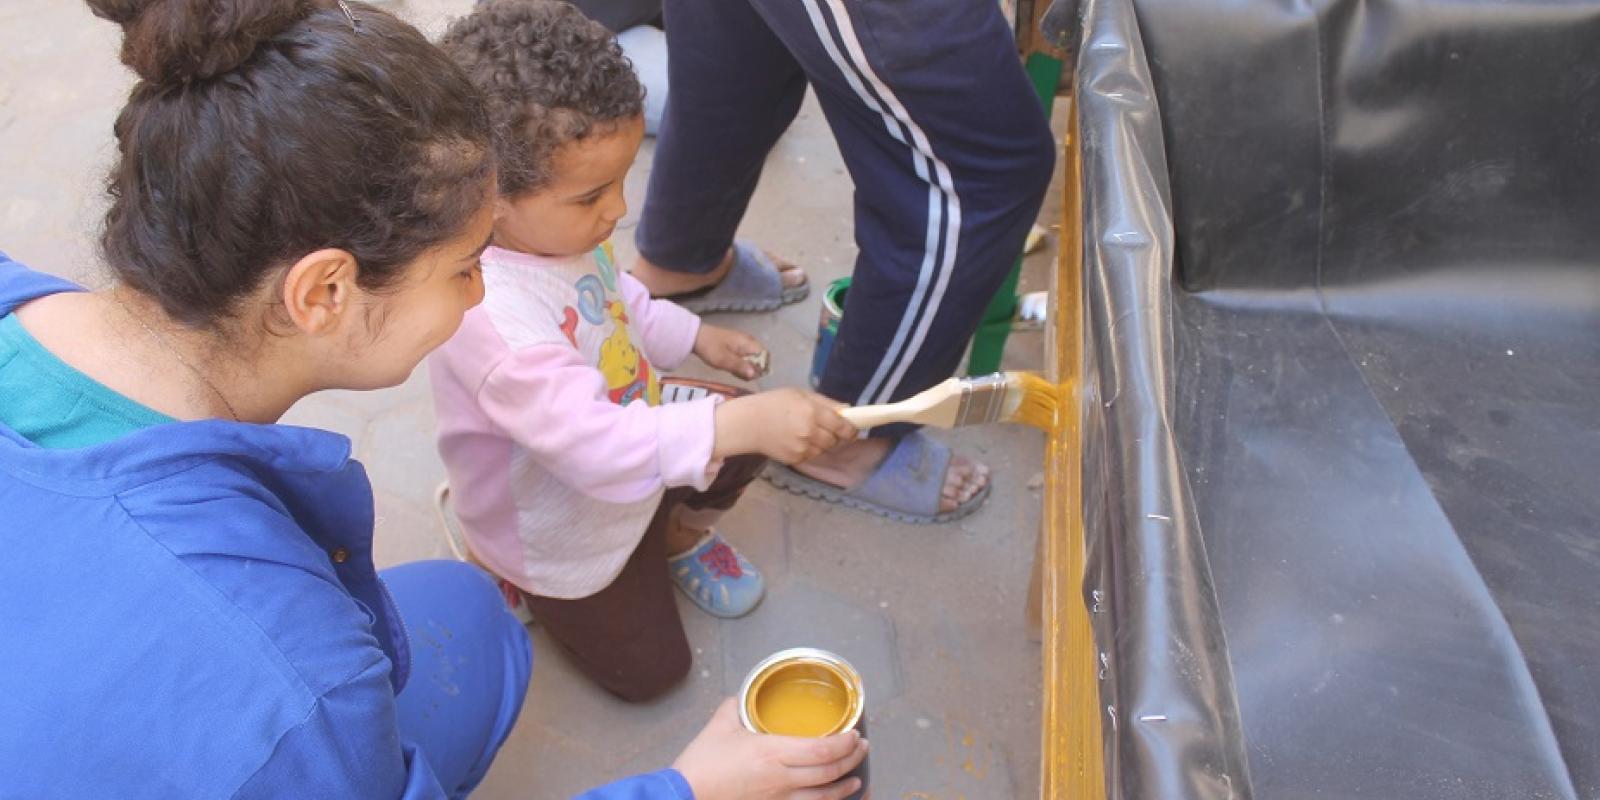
[[912, 478]]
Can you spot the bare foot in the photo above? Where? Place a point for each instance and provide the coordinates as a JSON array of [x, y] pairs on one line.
[[667, 283], [849, 466]]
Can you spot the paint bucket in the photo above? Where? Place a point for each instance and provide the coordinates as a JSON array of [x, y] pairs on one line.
[[828, 327], [804, 691]]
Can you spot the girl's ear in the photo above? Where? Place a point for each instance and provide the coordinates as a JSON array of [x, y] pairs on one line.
[[319, 290]]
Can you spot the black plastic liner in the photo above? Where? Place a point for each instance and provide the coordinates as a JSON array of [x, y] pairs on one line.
[[1342, 434]]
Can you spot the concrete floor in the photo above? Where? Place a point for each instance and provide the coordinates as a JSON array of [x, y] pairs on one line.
[[932, 616]]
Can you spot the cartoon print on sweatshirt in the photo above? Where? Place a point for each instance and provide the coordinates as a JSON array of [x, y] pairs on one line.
[[592, 300], [569, 324], [606, 259], [627, 371]]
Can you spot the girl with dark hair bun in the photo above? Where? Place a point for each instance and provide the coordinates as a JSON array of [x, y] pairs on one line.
[[190, 606]]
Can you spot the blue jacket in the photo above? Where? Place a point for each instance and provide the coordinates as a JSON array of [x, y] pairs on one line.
[[192, 610]]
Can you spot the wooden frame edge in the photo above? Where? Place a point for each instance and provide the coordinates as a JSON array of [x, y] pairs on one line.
[[1072, 752]]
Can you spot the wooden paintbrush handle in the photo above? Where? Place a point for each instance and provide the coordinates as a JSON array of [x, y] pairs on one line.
[[864, 417], [933, 406]]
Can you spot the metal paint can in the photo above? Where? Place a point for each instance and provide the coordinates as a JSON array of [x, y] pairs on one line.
[[828, 327], [804, 691]]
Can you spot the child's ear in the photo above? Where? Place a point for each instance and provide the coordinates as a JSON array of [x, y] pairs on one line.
[[502, 207], [320, 289]]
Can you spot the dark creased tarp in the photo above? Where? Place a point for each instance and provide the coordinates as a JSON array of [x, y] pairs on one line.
[[1342, 262], [1171, 726]]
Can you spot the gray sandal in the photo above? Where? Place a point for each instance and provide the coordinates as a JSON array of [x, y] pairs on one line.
[[907, 486], [754, 283]]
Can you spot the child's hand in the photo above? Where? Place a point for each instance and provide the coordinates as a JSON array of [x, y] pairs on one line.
[[785, 425], [729, 350]]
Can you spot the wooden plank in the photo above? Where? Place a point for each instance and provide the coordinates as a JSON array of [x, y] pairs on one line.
[[1073, 760]]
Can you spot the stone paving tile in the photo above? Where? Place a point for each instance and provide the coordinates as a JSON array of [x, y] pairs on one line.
[[932, 615], [400, 455], [537, 762], [802, 615], [937, 755], [562, 699], [403, 533]]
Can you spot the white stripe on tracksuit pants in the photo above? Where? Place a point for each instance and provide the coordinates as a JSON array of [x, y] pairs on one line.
[[937, 123]]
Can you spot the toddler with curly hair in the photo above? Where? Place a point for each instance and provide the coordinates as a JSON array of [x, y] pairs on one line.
[[571, 479]]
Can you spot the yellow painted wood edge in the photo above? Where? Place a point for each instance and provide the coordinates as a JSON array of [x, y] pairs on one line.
[[1073, 760]]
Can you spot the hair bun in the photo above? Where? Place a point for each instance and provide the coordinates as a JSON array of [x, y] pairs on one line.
[[175, 41]]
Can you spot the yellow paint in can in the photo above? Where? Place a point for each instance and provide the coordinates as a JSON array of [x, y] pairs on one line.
[[802, 700], [805, 692], [802, 691]]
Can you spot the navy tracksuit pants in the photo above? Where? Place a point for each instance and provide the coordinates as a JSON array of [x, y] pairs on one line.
[[938, 125]]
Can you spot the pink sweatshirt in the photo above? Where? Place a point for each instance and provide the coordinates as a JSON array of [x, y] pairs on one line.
[[549, 426]]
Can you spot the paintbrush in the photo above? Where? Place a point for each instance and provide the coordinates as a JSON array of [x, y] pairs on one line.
[[1002, 397]]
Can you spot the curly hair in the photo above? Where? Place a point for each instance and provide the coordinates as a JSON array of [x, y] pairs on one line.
[[550, 76]]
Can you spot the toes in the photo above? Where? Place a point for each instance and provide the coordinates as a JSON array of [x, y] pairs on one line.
[[979, 480], [949, 502], [956, 492], [963, 481], [792, 277], [968, 491]]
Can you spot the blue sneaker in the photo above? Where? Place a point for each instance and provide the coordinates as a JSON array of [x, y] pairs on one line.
[[719, 580]]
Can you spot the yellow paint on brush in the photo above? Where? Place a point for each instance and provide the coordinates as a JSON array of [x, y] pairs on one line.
[[1041, 401], [801, 706]]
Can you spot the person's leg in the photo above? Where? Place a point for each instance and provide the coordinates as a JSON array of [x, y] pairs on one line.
[[951, 157], [704, 565], [701, 510], [471, 661], [694, 513], [628, 637], [734, 91]]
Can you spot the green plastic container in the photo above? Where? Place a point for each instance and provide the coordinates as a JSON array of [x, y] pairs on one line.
[[828, 327]]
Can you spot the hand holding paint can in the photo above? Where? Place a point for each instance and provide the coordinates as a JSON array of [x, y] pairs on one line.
[[805, 692]]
